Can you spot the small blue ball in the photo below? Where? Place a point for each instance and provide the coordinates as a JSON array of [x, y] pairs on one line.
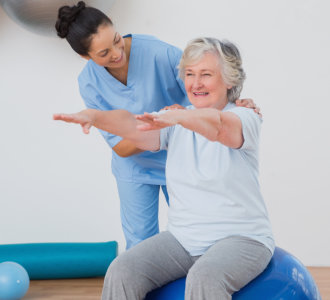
[[14, 281]]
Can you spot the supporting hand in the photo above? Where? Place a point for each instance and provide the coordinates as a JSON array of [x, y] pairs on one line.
[[172, 107], [248, 103]]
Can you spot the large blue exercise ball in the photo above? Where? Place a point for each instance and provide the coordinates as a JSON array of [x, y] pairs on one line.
[[39, 16], [14, 281], [285, 278]]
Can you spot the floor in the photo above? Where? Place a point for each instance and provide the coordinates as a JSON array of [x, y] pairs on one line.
[[90, 289]]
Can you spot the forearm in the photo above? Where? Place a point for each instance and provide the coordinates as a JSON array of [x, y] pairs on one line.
[[123, 123], [118, 122], [215, 125], [205, 121]]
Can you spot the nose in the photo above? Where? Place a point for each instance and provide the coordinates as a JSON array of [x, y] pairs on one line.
[[116, 52], [197, 82]]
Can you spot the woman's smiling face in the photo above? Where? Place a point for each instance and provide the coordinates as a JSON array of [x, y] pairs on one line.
[[204, 83], [107, 48]]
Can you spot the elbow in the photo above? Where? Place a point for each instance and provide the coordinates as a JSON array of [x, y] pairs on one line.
[[126, 149], [123, 154], [215, 136]]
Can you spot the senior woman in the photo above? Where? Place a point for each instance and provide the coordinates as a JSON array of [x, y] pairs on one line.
[[219, 234]]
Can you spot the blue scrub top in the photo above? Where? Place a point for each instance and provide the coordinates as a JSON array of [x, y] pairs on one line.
[[152, 83]]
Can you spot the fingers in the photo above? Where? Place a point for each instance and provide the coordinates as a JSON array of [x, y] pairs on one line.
[[63, 117], [144, 127], [257, 110], [72, 118], [150, 122], [146, 117], [86, 128], [248, 103], [60, 117], [172, 107], [239, 102]]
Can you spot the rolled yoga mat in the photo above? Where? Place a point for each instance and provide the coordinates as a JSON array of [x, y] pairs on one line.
[[61, 260]]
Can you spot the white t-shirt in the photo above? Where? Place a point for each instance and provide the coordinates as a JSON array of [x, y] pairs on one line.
[[213, 189]]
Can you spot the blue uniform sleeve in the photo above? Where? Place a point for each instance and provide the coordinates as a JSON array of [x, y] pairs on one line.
[[174, 56], [251, 126], [92, 100]]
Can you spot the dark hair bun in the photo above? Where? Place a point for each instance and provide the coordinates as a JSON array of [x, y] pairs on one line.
[[67, 15]]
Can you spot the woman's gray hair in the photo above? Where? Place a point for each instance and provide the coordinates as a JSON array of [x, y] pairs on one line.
[[229, 58]]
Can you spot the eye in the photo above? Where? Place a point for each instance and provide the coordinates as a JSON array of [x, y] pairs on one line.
[[104, 54], [206, 74], [189, 74]]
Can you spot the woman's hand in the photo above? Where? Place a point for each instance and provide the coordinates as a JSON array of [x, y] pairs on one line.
[[172, 107], [157, 121], [85, 118], [248, 103]]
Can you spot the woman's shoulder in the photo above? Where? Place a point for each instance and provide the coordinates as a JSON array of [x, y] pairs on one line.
[[150, 41], [90, 72], [145, 38], [152, 47]]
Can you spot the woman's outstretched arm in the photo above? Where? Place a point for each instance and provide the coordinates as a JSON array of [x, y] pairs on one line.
[[118, 122], [215, 125]]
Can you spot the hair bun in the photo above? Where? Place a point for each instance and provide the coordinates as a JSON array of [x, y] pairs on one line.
[[67, 15]]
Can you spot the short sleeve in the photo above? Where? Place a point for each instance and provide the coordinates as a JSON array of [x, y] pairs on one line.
[[164, 136], [91, 99], [251, 126], [174, 56]]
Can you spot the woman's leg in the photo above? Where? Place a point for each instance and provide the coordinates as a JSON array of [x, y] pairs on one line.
[[145, 267], [225, 268], [138, 211]]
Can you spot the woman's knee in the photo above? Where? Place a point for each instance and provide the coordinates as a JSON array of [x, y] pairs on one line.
[[207, 280], [202, 273], [120, 270]]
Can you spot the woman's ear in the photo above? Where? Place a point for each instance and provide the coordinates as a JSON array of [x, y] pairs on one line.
[[229, 87]]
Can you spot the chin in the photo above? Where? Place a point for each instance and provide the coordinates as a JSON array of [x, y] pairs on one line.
[[116, 65], [200, 105]]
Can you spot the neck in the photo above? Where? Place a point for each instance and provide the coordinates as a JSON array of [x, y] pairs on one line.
[[222, 104]]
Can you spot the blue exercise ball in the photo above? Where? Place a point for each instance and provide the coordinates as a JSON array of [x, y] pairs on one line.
[[14, 281], [285, 278]]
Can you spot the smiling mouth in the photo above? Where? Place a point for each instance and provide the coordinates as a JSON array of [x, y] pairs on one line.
[[200, 93], [118, 59]]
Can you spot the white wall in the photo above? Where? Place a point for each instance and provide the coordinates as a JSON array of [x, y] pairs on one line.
[[55, 182]]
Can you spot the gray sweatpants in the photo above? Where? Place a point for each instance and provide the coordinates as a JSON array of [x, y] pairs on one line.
[[225, 268]]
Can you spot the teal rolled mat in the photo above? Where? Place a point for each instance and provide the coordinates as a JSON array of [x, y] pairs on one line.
[[61, 260]]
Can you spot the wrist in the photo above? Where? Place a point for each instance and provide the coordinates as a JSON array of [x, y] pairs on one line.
[[179, 116], [91, 114]]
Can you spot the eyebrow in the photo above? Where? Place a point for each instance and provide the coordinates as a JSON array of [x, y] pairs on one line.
[[203, 70]]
